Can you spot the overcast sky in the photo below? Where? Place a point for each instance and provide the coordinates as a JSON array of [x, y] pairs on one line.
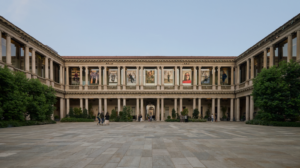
[[149, 27]]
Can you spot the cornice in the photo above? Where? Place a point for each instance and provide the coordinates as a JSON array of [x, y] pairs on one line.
[[27, 38], [147, 92], [59, 91], [149, 60], [244, 89], [271, 37]]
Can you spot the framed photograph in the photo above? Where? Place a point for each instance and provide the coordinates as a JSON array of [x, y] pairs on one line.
[[224, 76], [131, 77], [150, 77], [94, 76], [112, 77], [187, 77], [205, 76], [75, 76], [169, 77]]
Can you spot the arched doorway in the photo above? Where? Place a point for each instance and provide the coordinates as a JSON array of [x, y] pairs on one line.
[[150, 110]]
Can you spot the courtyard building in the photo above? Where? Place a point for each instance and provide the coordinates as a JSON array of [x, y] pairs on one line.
[[151, 85]]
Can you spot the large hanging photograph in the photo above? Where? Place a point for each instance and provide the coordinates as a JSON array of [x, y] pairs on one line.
[[187, 77], [94, 76], [131, 77], [205, 76], [168, 77], [113, 76], [75, 76], [224, 76], [150, 76]]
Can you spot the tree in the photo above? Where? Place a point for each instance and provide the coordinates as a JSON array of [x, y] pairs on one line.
[[223, 109], [84, 113], [173, 113], [195, 113], [185, 112], [276, 92], [71, 112], [77, 112], [114, 114], [125, 114]]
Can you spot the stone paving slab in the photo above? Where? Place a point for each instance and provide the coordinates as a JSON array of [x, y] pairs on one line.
[[150, 145]]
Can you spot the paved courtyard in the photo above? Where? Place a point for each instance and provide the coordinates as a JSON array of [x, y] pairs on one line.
[[155, 144]]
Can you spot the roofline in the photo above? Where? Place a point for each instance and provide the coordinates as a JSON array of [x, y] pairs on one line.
[[149, 57]]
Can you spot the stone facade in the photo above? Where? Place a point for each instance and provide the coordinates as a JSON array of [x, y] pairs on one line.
[[233, 96]]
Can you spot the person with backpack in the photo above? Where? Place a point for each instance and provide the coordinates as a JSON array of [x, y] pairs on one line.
[[98, 117], [102, 117]]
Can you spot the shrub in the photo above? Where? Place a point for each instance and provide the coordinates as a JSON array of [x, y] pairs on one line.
[[273, 123], [169, 117], [5, 124], [195, 113], [77, 112], [197, 120], [173, 113], [172, 120], [71, 112], [84, 113], [113, 114], [76, 120]]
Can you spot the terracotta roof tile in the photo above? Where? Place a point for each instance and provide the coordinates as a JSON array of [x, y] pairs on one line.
[[149, 57]]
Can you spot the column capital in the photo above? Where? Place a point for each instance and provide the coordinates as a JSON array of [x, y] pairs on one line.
[[7, 35], [32, 49], [290, 35]]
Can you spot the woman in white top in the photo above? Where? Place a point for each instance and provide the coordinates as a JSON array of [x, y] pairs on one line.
[[212, 118]]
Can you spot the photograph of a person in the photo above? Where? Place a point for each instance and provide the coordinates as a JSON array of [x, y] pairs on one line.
[[187, 77], [131, 77], [113, 76], [94, 76], [150, 77], [75, 76], [205, 76], [224, 76], [168, 76]]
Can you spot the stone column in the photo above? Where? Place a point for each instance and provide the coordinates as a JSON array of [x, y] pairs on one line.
[[60, 73], [86, 78], [142, 79], [68, 106], [162, 78], [26, 54], [219, 109], [67, 77], [290, 48], [124, 77], [33, 70], [175, 78], [105, 106], [105, 78], [119, 79], [81, 103], [298, 46], [231, 109], [237, 109], [46, 67], [238, 74], [180, 79], [137, 78], [251, 107], [247, 108], [157, 110], [214, 78], [213, 107], [162, 110], [119, 105], [137, 109], [265, 58], [271, 56], [180, 105], [80, 78], [63, 75], [219, 76], [252, 68], [100, 105], [51, 69], [124, 102], [142, 109], [175, 106], [100, 78], [87, 104], [194, 103], [61, 108], [195, 78], [232, 77], [247, 72], [158, 86], [8, 49], [199, 79], [199, 107]]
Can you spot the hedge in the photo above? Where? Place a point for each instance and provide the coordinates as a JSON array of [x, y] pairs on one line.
[[6, 124], [76, 120], [274, 123], [172, 120], [197, 120]]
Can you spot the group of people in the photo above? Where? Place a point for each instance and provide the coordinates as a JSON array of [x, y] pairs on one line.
[[103, 119]]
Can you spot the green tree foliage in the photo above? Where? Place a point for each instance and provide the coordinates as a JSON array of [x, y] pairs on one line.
[[224, 109], [195, 113], [77, 112], [71, 112], [19, 95], [277, 92], [114, 114], [125, 115], [185, 112], [84, 113], [173, 113]]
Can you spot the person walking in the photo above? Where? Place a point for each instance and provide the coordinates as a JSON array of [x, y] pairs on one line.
[[107, 119], [212, 118], [98, 117], [102, 117]]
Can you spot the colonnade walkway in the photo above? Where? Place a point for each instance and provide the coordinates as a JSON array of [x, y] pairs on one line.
[[150, 144]]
